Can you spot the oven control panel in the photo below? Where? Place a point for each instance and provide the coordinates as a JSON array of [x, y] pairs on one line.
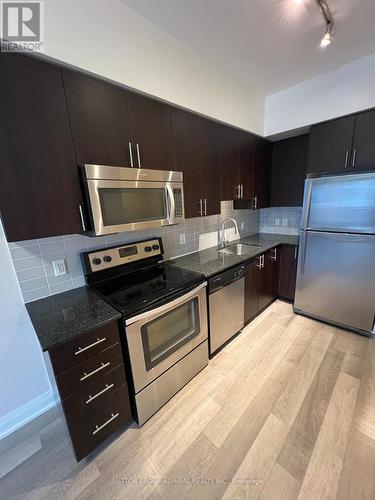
[[107, 258]]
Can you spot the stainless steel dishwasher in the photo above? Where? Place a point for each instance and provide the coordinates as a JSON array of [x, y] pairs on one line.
[[226, 305]]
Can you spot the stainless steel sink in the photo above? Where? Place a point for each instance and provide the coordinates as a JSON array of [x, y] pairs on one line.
[[239, 249]]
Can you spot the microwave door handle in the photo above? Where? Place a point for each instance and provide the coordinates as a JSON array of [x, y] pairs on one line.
[[171, 204]]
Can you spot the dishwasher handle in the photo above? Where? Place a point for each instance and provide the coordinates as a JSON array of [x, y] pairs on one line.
[[225, 278]]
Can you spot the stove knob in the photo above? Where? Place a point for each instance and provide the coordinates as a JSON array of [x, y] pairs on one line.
[[96, 261], [155, 247], [148, 249], [107, 258]]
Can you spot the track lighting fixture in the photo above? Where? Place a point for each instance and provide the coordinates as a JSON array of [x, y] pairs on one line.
[[329, 22]]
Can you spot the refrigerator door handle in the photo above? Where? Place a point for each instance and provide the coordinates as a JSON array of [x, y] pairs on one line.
[[302, 248], [306, 203]]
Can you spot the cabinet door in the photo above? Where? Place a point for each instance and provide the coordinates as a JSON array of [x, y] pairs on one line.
[[266, 281], [363, 155], [151, 129], [230, 163], [251, 289], [186, 129], [330, 145], [210, 167], [39, 188], [262, 173], [288, 271], [246, 164], [99, 120], [289, 164]]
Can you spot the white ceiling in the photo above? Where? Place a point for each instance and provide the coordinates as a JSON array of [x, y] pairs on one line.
[[272, 44]]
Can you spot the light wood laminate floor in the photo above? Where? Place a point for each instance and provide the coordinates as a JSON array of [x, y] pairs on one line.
[[285, 411]]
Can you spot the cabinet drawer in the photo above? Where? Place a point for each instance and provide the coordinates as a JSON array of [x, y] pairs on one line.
[[90, 371], [83, 347], [87, 398], [94, 426]]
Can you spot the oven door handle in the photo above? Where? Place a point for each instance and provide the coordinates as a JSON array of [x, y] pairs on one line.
[[172, 207], [166, 307]]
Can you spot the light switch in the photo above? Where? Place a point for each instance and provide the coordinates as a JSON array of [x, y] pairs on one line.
[[182, 239], [59, 267]]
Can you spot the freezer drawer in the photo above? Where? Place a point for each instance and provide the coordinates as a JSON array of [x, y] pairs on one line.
[[336, 278], [340, 204]]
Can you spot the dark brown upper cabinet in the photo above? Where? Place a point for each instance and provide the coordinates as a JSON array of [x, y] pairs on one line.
[[262, 173], [343, 145], [363, 154], [330, 146], [289, 164], [151, 132], [187, 158], [210, 167], [39, 188], [197, 154], [99, 119], [246, 144], [230, 154]]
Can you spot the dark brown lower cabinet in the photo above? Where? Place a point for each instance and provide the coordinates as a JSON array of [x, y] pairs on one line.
[[91, 380], [260, 283], [287, 271]]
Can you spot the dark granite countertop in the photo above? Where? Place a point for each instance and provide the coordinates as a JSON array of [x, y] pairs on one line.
[[210, 262], [61, 317]]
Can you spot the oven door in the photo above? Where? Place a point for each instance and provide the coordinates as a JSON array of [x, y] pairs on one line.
[[118, 205], [159, 338]]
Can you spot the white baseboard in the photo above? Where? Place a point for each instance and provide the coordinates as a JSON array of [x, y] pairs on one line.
[[25, 413]]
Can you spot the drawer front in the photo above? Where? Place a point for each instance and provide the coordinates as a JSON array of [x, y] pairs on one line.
[[92, 370], [83, 347], [95, 392], [94, 426]]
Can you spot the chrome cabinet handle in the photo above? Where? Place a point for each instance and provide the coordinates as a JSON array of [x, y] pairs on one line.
[[106, 388], [238, 192], [346, 158], [259, 266], [87, 375], [83, 349], [263, 260], [241, 191], [255, 203], [139, 155], [354, 157], [82, 218], [131, 154], [295, 252], [97, 429], [200, 207], [274, 256], [205, 206]]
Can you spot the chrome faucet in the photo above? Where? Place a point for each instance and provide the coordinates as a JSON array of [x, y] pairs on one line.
[[223, 242]]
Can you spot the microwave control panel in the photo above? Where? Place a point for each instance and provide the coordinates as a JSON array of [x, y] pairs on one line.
[[177, 194]]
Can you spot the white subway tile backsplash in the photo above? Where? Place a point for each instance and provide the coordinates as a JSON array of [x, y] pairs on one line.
[[33, 259], [282, 220]]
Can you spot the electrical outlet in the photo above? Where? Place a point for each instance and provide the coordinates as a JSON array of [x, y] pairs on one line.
[[285, 222], [277, 222], [242, 225], [59, 267], [182, 239]]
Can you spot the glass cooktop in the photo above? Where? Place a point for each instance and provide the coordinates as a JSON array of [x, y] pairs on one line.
[[148, 288]]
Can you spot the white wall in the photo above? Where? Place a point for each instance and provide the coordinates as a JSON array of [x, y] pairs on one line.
[[25, 390], [109, 39], [345, 90]]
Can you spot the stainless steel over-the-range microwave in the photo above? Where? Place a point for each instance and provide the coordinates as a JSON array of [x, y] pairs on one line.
[[126, 199]]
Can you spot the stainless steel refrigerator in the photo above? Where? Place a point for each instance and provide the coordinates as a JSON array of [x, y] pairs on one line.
[[336, 262]]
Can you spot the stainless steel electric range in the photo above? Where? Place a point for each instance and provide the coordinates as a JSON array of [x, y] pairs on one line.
[[164, 312]]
